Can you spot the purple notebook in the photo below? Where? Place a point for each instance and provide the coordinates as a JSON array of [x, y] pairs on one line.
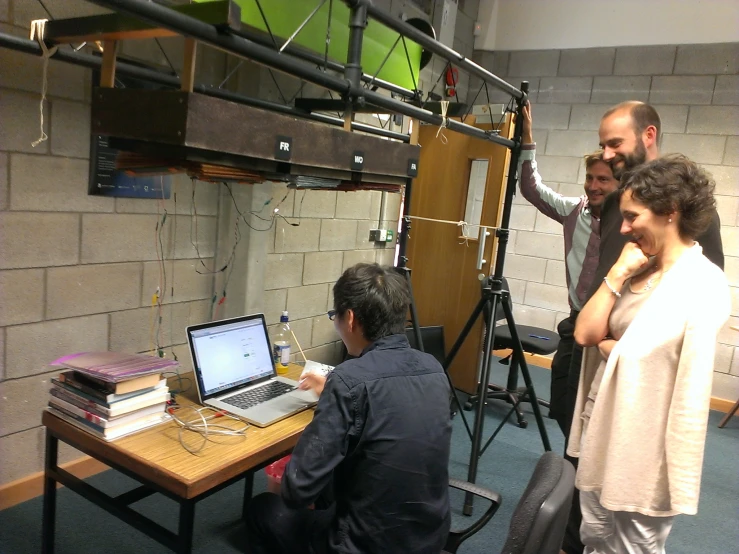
[[115, 366]]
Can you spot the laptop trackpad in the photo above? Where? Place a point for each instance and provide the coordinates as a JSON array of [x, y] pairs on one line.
[[277, 408]]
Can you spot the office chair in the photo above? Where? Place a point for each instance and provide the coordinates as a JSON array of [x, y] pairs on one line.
[[534, 340], [539, 520], [433, 341]]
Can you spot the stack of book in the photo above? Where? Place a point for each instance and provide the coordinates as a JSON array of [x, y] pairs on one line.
[[111, 394]]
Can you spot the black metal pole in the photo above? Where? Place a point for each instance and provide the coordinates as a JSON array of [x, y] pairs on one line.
[[32, 47], [208, 34], [435, 46]]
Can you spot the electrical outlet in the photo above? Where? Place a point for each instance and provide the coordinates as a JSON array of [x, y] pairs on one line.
[[380, 235]]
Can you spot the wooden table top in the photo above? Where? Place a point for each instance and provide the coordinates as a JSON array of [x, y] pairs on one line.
[[157, 455]]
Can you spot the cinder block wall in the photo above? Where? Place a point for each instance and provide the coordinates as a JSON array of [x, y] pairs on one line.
[[695, 88]]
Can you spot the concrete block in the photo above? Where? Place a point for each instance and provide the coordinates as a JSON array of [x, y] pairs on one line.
[[21, 296], [586, 61], [728, 208], [537, 63], [681, 90], [586, 117], [326, 354], [726, 177], [730, 238], [517, 288], [511, 246], [495, 62], [23, 402], [644, 60], [734, 369], [385, 255], [353, 205], [122, 238], [316, 203], [674, 118], [354, 257], [727, 335], [307, 301], [70, 129], [337, 234], [707, 59], [572, 190], [734, 291], [713, 120], [183, 276], [523, 217], [3, 181], [612, 90], [2, 353], [525, 268], [540, 138], [55, 184], [558, 169], [283, 270], [533, 316], [274, 303], [19, 112], [546, 296], [726, 90], [363, 229], [722, 359], [24, 72], [550, 116], [539, 245], [322, 267], [725, 386], [38, 240], [23, 454], [731, 270], [564, 90], [31, 347], [556, 273], [4, 14], [731, 152], [699, 148], [91, 289], [546, 224], [572, 143], [200, 243], [304, 238], [324, 331]]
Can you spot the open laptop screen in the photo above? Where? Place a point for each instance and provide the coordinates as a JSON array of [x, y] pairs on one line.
[[231, 354]]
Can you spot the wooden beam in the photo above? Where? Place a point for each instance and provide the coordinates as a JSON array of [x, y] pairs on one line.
[[107, 70], [348, 116], [416, 129], [188, 68]]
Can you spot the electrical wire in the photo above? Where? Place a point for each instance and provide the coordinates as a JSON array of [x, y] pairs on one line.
[[200, 425]]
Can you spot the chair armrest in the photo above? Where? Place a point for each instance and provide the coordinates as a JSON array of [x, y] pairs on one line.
[[456, 537]]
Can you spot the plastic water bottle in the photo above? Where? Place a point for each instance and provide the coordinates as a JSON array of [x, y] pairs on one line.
[[281, 341]]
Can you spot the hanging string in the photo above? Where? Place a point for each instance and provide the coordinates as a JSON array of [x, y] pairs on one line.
[[38, 28], [444, 121], [457, 223]]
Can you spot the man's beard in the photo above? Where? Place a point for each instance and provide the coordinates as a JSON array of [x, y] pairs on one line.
[[630, 161]]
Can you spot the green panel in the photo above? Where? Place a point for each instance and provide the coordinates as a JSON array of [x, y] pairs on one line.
[[285, 16]]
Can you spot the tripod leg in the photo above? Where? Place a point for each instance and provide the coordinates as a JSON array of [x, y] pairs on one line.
[[481, 397], [518, 350], [414, 312]]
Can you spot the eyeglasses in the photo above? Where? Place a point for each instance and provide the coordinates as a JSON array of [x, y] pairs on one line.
[[331, 314]]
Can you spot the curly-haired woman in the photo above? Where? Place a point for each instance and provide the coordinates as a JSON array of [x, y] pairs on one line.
[[645, 386]]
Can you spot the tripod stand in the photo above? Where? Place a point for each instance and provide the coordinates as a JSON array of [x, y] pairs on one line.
[[493, 295]]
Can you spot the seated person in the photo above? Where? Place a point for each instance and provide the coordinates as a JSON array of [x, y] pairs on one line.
[[379, 439]]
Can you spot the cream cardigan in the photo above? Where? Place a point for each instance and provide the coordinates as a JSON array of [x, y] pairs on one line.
[[643, 449]]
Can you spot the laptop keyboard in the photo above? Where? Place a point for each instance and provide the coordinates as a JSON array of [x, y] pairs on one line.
[[252, 397]]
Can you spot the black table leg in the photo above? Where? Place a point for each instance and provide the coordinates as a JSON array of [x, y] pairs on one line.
[[49, 515], [248, 492], [187, 523]]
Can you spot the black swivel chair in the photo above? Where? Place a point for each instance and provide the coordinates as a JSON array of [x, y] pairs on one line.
[[539, 520], [534, 340], [433, 341]]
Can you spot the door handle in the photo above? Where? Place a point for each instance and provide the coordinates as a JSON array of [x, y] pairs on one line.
[[481, 247]]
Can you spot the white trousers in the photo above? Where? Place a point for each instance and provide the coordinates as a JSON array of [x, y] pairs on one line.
[[603, 531]]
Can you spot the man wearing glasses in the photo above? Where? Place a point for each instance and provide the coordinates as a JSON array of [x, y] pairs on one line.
[[379, 438]]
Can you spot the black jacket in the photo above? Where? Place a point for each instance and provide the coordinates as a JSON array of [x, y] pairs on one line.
[[381, 434], [612, 241]]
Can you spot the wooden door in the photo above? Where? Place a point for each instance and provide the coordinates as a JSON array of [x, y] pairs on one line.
[[444, 266]]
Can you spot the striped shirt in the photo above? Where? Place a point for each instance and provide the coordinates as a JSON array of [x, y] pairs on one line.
[[581, 228]]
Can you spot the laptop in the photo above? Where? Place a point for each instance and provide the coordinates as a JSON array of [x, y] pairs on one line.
[[235, 372]]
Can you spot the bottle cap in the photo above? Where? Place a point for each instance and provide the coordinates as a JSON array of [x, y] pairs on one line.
[[284, 317]]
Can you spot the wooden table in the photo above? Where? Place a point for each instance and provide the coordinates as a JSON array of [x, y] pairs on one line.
[[155, 458]]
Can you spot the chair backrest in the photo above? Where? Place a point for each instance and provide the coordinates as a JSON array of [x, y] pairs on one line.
[[433, 341], [539, 521]]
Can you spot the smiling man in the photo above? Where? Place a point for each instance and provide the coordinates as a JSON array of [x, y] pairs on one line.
[[580, 218]]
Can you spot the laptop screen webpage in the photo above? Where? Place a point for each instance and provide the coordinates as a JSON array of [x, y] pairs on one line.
[[230, 355]]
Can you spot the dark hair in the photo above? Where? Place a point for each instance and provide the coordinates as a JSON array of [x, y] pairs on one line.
[[674, 184], [377, 295], [642, 116]]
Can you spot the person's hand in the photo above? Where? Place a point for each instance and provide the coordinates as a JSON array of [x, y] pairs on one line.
[[606, 346], [631, 260], [311, 380], [527, 136]]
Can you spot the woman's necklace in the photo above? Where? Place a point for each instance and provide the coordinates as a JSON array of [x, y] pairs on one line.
[[651, 280]]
